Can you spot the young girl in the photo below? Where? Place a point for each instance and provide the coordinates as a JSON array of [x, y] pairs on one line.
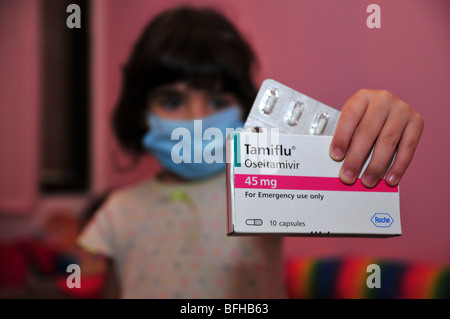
[[166, 237]]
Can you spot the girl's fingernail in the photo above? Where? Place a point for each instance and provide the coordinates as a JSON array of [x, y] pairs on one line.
[[369, 181], [348, 176], [337, 153], [393, 180]]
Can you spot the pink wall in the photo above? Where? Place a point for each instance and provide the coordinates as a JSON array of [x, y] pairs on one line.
[[19, 104], [321, 48]]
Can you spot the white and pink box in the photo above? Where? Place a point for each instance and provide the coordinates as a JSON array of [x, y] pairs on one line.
[[288, 185]]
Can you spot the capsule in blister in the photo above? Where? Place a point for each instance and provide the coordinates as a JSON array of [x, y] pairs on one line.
[[319, 123], [294, 113], [269, 100]]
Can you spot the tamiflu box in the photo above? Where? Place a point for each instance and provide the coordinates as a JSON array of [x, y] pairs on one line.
[[284, 183]]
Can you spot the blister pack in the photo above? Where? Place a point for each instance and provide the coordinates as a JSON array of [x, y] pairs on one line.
[[291, 112]]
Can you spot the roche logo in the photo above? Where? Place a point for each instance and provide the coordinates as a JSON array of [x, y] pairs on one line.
[[382, 220]]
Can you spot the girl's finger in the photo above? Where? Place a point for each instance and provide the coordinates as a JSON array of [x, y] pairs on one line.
[[351, 114], [406, 148], [385, 147], [364, 138]]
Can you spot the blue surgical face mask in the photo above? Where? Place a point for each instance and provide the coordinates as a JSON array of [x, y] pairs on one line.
[[192, 149]]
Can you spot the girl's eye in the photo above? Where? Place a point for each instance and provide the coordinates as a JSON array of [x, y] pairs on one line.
[[219, 103], [171, 103]]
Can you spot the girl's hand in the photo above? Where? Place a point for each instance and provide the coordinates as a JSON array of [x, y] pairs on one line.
[[378, 119]]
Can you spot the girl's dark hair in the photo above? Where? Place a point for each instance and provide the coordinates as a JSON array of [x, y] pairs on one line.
[[196, 45]]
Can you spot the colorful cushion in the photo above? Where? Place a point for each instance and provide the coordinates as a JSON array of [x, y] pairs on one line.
[[347, 278]]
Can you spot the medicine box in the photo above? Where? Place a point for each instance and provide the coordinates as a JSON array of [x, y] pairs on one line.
[[287, 184]]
